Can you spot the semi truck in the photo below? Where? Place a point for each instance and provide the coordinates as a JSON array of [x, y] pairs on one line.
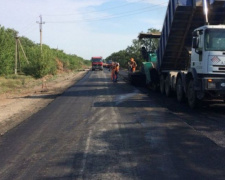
[[191, 53], [97, 63]]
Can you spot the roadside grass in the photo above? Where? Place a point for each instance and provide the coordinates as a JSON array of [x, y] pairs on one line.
[[20, 83], [16, 83]]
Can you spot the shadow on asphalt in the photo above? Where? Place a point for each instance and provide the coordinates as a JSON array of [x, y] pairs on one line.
[[44, 96], [144, 159], [179, 152]]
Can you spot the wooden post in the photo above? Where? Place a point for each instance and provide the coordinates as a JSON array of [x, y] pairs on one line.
[[16, 52], [23, 51]]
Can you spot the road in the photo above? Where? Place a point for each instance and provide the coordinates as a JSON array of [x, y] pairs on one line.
[[98, 129]]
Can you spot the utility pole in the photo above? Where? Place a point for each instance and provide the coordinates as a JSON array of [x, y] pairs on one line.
[[16, 53], [40, 25]]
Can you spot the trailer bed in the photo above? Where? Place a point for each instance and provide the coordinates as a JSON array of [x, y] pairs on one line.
[[182, 17]]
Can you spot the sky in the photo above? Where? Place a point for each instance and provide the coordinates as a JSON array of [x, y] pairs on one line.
[[83, 27]]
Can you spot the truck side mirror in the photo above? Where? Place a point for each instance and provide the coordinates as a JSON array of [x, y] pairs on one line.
[[195, 42], [195, 34], [195, 45]]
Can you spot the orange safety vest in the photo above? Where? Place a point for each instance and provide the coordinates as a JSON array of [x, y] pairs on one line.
[[133, 65], [113, 71]]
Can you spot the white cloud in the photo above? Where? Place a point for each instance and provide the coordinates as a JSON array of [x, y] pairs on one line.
[[155, 2], [76, 34], [153, 23], [19, 12]]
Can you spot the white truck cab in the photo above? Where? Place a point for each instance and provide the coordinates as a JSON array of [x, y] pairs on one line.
[[207, 63], [208, 52]]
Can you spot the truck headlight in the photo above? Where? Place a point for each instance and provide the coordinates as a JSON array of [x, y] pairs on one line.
[[211, 85]]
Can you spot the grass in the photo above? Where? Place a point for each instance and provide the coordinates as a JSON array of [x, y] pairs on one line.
[[15, 83], [19, 83]]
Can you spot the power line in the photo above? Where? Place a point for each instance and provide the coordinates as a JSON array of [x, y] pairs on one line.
[[125, 15], [115, 7], [28, 28], [128, 13]]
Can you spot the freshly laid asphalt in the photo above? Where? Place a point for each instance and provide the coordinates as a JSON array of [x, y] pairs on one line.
[[98, 129]]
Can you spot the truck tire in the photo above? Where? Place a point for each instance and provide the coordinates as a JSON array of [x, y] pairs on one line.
[[138, 79], [167, 86], [179, 90], [132, 79], [154, 87], [155, 80], [191, 95], [162, 84]]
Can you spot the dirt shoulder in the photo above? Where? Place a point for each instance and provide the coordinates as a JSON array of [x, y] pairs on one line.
[[16, 107]]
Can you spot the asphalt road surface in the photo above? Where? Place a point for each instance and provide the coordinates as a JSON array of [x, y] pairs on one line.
[[98, 129]]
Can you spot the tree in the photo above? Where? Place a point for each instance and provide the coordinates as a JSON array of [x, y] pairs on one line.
[[40, 64], [7, 50], [134, 50], [151, 45]]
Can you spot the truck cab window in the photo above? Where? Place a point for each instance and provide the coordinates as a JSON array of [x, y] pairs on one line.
[[215, 40]]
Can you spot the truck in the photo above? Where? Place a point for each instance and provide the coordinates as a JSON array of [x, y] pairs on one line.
[[97, 63], [109, 63], [190, 59]]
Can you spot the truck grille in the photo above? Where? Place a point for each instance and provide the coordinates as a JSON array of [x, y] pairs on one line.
[[218, 68]]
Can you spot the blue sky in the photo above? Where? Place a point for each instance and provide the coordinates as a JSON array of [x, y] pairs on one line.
[[83, 27]]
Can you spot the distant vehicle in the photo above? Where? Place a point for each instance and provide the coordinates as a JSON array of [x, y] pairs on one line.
[[109, 64], [97, 63]]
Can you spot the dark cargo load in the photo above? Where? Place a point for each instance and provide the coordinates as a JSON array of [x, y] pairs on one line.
[[182, 17]]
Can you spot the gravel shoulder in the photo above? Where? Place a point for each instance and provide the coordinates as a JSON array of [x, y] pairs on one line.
[[17, 107]]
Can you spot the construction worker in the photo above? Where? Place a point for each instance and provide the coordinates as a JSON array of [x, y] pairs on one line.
[[113, 71], [132, 65], [117, 71]]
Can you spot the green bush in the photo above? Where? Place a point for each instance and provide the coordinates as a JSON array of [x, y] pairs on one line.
[[40, 64]]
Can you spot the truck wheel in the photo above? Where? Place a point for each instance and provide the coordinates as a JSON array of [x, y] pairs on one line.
[[154, 86], [131, 79], [167, 86], [154, 80], [179, 90], [162, 84], [191, 95]]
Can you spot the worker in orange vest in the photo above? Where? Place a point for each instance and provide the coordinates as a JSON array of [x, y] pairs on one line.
[[132, 65], [117, 71], [113, 71]]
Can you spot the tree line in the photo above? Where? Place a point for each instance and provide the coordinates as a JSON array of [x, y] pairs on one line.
[[49, 61], [134, 51]]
